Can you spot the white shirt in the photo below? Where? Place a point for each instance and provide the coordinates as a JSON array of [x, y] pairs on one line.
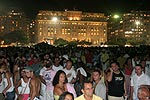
[[25, 87], [72, 72], [100, 90], [42, 71], [2, 84], [147, 68], [57, 68], [6, 83], [136, 81]]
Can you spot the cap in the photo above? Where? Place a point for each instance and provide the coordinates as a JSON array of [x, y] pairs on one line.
[[126, 56], [65, 56], [28, 68]]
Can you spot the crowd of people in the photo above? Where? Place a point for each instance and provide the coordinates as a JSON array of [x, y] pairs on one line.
[[74, 73]]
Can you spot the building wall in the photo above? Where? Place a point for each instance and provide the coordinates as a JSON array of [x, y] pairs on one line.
[[71, 25], [14, 20], [129, 29]]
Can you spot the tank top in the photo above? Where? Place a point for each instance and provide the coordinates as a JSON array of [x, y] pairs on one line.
[[25, 86], [6, 83], [116, 86], [2, 83]]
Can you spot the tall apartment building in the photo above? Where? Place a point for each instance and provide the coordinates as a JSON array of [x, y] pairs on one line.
[[133, 26], [14, 19], [71, 25]]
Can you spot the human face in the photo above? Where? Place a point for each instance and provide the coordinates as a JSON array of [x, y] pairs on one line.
[[96, 76], [28, 74], [68, 65], [57, 61], [68, 97], [46, 56], [88, 90], [23, 73], [114, 67], [143, 63], [143, 94], [138, 70], [2, 70], [62, 77]]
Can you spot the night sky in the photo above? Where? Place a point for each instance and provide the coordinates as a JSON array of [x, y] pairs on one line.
[[31, 7]]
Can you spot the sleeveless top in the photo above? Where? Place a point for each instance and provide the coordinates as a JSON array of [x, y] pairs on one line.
[[2, 83], [116, 86], [6, 83], [25, 87]]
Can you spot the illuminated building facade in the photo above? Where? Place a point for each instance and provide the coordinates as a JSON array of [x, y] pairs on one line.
[[71, 25], [14, 20], [137, 26], [134, 27]]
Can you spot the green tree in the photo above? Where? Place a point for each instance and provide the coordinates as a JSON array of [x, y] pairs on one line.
[[60, 42], [84, 42], [73, 43], [15, 37]]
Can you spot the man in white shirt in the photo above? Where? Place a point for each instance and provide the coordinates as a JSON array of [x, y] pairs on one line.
[[70, 72], [138, 79], [99, 86], [56, 66]]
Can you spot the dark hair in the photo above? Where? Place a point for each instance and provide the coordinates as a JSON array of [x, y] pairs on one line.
[[115, 62], [96, 70], [56, 77], [63, 95], [85, 81], [138, 65], [49, 64]]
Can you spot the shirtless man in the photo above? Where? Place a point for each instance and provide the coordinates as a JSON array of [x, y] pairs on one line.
[[34, 84]]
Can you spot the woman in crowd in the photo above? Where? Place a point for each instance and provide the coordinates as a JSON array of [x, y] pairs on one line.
[[66, 96], [128, 71], [22, 87], [61, 85], [8, 82]]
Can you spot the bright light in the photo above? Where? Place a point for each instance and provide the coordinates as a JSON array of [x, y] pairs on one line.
[[116, 16], [54, 19], [137, 22]]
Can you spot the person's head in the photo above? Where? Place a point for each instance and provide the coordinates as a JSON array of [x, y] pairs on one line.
[[22, 72], [143, 93], [60, 76], [138, 69], [69, 65], [3, 68], [143, 63], [128, 61], [114, 65], [87, 89], [96, 75], [29, 71], [35, 59], [56, 61], [46, 56], [66, 96], [49, 64]]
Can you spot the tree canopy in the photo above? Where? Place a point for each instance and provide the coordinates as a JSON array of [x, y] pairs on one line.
[[15, 37]]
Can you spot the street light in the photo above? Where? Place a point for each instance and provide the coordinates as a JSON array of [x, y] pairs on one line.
[[54, 19], [116, 16]]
